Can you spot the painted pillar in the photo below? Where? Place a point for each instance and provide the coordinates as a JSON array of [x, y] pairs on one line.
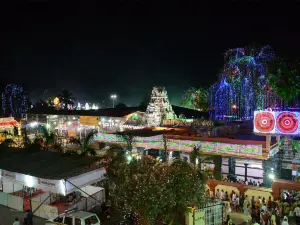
[[268, 142]]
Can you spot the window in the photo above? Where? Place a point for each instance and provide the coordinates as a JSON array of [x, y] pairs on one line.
[[58, 219], [68, 221], [91, 220], [77, 221]]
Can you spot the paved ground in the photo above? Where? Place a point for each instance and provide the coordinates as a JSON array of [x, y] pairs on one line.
[[7, 217]]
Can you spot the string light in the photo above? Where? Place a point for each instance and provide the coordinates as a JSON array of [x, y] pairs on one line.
[[14, 101], [243, 86], [157, 142]]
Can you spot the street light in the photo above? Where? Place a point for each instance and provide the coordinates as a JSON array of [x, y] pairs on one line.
[[113, 97]]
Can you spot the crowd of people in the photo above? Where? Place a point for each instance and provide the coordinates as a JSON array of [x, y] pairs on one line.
[[240, 181], [261, 211]]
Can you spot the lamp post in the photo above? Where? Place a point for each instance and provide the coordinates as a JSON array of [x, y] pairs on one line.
[[246, 167], [113, 97]]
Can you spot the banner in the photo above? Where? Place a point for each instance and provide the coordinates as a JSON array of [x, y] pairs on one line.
[[89, 120]]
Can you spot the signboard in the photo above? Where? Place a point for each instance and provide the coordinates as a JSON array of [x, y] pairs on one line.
[[47, 183], [279, 122], [71, 133], [89, 120]]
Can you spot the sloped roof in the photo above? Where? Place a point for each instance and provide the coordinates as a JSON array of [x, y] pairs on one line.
[[118, 112], [109, 112]]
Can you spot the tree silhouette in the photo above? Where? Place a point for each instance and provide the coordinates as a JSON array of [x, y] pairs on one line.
[[66, 98], [121, 105]]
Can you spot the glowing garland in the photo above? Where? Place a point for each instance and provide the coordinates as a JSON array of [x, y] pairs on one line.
[[156, 142]]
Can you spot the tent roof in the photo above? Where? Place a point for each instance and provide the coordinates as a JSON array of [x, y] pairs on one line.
[[45, 164]]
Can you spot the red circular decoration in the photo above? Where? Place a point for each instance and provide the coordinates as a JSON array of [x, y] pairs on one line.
[[264, 122], [287, 122]]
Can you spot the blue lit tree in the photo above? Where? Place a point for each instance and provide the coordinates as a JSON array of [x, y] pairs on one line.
[[243, 85], [14, 101]]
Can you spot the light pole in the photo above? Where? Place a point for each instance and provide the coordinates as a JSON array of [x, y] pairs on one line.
[[113, 97]]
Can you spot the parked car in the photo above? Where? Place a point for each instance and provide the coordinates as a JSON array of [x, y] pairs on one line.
[[75, 218]]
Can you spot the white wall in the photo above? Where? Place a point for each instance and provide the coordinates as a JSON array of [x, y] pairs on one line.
[[90, 190]]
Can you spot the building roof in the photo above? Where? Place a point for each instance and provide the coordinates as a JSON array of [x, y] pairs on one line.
[[80, 214], [109, 112], [44, 164], [117, 112], [189, 113]]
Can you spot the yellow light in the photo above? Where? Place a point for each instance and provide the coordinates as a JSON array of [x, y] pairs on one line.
[[56, 101]]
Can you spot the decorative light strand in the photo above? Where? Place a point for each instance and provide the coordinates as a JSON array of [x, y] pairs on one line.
[[157, 142]]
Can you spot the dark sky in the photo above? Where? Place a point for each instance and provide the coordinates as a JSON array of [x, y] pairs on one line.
[[126, 48]]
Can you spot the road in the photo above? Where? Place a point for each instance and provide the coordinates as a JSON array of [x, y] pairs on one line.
[[7, 217]]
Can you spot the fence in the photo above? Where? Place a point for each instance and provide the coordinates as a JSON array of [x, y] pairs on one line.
[[44, 198], [13, 202], [44, 211], [209, 214], [89, 203]]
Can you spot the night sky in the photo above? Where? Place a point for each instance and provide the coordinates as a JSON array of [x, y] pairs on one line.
[[126, 48]]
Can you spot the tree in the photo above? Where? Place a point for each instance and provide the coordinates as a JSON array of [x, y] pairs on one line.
[[30, 145], [153, 189], [85, 144], [121, 105], [285, 80], [128, 137], [66, 98], [50, 139], [195, 99]]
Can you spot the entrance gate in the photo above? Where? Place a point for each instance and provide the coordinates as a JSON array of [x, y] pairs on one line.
[[210, 214]]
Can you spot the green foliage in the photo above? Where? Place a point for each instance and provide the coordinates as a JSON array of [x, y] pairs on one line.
[[50, 139], [284, 80], [195, 99], [85, 144], [31, 146], [154, 189], [128, 137]]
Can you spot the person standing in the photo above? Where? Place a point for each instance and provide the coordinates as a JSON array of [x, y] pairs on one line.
[[217, 195], [273, 219], [30, 217], [285, 221], [222, 195], [297, 214], [16, 221], [246, 209]]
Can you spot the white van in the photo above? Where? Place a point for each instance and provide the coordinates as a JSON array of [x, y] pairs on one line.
[[75, 218]]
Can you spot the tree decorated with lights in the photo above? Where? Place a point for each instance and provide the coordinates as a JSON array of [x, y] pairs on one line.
[[14, 101], [244, 85], [154, 190], [194, 98]]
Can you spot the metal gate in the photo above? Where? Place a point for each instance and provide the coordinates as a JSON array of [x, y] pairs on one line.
[[210, 214]]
